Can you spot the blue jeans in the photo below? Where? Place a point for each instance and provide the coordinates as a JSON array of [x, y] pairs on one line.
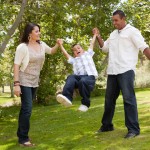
[[124, 83], [84, 83], [28, 94]]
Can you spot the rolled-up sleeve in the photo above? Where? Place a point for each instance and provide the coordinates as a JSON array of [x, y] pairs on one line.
[[71, 60], [91, 52], [138, 40]]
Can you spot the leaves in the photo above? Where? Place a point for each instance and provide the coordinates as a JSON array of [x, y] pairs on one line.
[[73, 21]]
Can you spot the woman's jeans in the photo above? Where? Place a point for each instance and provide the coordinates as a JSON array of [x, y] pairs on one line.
[[84, 83], [125, 83], [27, 96]]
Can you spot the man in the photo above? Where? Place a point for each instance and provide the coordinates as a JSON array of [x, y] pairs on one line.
[[123, 46]]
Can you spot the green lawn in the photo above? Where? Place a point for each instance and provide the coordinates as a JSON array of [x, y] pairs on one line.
[[57, 128], [4, 98]]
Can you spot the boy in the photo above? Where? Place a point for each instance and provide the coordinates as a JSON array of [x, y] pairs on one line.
[[83, 78]]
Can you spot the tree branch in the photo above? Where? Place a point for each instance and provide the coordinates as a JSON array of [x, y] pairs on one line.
[[14, 26]]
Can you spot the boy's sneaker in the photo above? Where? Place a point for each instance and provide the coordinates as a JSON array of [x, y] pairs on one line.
[[63, 100], [83, 108]]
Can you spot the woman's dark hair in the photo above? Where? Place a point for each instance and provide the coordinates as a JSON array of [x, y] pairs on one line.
[[120, 13], [27, 30]]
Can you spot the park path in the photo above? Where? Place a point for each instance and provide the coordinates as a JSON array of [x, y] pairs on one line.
[[10, 103]]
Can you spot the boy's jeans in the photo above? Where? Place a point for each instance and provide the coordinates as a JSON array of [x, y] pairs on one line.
[[84, 83]]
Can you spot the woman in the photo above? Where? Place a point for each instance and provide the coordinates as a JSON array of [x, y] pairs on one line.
[[29, 59]]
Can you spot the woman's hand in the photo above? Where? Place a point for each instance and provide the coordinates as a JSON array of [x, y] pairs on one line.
[[59, 41], [17, 90]]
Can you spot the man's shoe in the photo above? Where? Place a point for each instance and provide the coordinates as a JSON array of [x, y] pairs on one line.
[[130, 135], [102, 129], [63, 100]]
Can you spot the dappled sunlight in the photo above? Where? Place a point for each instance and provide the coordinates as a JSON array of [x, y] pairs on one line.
[[9, 120], [145, 100], [97, 106], [6, 146], [56, 127], [145, 129]]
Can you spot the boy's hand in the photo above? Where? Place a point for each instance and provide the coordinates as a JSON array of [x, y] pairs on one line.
[[59, 41], [96, 31]]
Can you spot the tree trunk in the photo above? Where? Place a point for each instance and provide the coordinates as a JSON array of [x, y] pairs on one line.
[[11, 90], [14, 26], [3, 89]]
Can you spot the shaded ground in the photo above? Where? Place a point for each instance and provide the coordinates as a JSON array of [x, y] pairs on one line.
[[57, 128]]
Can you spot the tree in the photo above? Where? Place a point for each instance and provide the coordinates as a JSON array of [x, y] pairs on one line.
[[71, 20], [74, 20], [138, 14], [13, 27]]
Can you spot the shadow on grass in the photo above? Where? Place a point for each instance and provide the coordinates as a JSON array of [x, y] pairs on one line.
[[59, 128]]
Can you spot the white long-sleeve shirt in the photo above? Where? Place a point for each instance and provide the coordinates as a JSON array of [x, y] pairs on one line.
[[123, 47], [84, 65]]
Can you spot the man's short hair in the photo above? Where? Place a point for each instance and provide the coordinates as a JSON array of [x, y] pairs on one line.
[[120, 13]]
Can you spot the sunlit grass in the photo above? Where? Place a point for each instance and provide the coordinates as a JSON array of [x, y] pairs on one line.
[[5, 98], [57, 128]]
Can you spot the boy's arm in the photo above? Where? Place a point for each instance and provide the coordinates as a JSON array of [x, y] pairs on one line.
[[92, 42], [60, 43], [64, 52]]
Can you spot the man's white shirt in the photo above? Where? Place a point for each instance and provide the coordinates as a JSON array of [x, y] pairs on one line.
[[123, 47]]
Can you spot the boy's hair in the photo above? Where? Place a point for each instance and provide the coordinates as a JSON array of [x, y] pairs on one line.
[[74, 45], [120, 13]]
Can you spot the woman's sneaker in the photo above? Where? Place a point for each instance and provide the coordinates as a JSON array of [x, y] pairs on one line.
[[63, 100], [83, 108]]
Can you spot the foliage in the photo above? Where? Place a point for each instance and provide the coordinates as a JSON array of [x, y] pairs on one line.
[[67, 22], [8, 14], [73, 26], [7, 17], [138, 14], [142, 75], [73, 21], [12, 29]]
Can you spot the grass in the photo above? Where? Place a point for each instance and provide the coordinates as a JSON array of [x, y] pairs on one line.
[[57, 128], [5, 98]]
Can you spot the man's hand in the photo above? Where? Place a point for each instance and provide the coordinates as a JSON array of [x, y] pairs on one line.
[[59, 41], [98, 36], [96, 32]]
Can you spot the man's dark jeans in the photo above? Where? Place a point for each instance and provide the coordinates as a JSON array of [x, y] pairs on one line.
[[84, 83], [125, 83], [28, 94]]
